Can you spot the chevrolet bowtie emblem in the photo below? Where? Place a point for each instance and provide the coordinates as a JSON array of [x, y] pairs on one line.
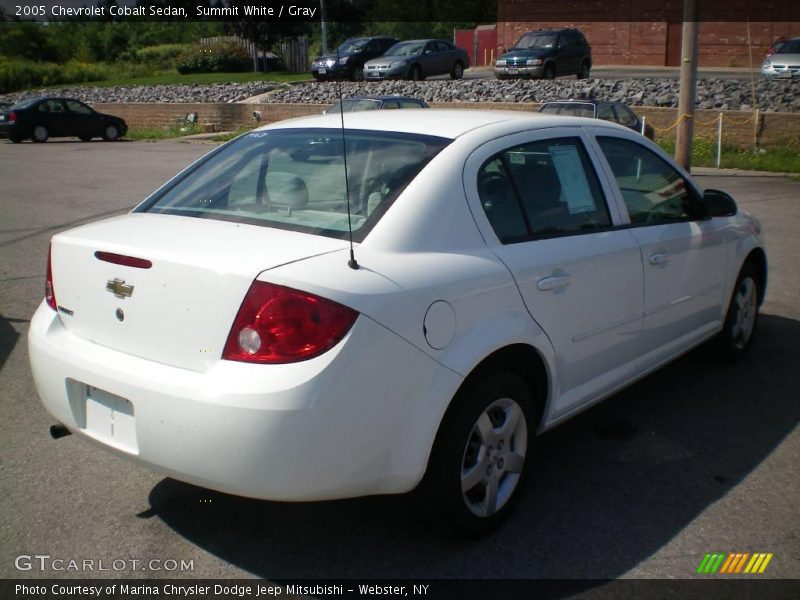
[[119, 288]]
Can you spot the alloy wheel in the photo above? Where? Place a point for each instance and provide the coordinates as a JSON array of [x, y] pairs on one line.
[[494, 457]]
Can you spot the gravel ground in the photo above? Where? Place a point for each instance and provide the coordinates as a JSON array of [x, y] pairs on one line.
[[221, 92], [711, 93]]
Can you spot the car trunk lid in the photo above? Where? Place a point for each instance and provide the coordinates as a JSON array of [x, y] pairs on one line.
[[179, 310]]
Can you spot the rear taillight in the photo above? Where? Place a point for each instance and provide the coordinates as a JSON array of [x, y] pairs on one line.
[[49, 292], [12, 117], [276, 324]]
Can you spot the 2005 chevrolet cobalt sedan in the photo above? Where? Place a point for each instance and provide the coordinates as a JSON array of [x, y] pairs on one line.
[[507, 272]]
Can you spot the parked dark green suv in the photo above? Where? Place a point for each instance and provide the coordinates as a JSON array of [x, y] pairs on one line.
[[547, 54]]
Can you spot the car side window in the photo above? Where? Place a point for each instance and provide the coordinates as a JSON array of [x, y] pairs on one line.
[[372, 47], [409, 104], [653, 191], [51, 106], [624, 115], [78, 108], [430, 47], [443, 47], [605, 112], [542, 189]]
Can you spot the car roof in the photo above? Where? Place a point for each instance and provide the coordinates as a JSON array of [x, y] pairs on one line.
[[582, 101], [446, 123], [382, 98]]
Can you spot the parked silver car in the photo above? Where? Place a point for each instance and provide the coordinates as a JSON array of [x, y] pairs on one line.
[[784, 63], [416, 60]]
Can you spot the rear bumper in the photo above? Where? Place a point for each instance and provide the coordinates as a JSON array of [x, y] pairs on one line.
[[357, 420], [6, 129]]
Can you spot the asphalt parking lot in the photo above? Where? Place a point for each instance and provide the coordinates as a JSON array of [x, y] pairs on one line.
[[699, 457]]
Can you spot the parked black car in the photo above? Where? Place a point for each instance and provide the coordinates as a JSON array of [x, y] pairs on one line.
[[616, 112], [358, 103], [547, 54], [347, 61], [42, 118], [418, 59]]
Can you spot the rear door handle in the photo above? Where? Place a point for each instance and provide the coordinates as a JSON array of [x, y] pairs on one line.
[[553, 282], [659, 258]]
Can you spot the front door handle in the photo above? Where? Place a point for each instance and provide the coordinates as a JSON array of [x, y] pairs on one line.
[[659, 258], [553, 282]]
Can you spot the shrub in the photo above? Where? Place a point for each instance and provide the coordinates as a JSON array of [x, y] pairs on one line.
[[20, 74], [216, 58], [163, 56]]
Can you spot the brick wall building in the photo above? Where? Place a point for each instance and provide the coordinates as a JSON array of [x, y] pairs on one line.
[[648, 32]]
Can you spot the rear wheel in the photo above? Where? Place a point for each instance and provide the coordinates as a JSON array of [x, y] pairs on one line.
[[40, 134], [111, 133], [479, 458], [742, 317], [583, 72], [549, 71], [458, 70]]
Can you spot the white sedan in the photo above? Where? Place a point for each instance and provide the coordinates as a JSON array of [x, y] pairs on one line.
[[506, 271]]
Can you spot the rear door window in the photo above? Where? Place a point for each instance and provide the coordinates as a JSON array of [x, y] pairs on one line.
[[542, 189]]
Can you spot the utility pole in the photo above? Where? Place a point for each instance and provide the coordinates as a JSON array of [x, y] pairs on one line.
[[324, 27], [688, 84]]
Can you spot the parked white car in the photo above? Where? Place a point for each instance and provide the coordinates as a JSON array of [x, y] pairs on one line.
[[510, 271]]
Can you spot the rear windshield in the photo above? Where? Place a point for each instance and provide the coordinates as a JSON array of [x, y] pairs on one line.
[[353, 105], [24, 103], [574, 110], [294, 179]]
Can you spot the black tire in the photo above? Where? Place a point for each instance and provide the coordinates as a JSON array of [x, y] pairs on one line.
[[40, 134], [415, 73], [357, 74], [458, 70], [584, 70], [549, 71], [16, 140], [85, 138], [111, 133], [741, 319], [468, 460]]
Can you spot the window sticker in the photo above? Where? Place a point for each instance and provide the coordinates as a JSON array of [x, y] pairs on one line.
[[575, 189], [516, 158]]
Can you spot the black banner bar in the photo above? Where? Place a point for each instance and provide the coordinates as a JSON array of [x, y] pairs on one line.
[[458, 12], [702, 588]]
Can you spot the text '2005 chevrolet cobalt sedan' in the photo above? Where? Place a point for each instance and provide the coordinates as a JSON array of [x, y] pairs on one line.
[[506, 272]]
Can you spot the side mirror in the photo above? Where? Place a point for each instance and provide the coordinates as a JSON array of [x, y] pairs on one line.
[[719, 204]]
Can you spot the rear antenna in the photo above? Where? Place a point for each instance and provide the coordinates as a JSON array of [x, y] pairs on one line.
[[352, 263]]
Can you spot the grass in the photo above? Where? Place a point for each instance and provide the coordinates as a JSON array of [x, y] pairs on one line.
[[226, 137], [152, 133], [780, 159], [201, 78]]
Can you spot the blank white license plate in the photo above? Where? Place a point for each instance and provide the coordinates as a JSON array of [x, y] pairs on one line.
[[513, 71], [321, 71], [110, 419]]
